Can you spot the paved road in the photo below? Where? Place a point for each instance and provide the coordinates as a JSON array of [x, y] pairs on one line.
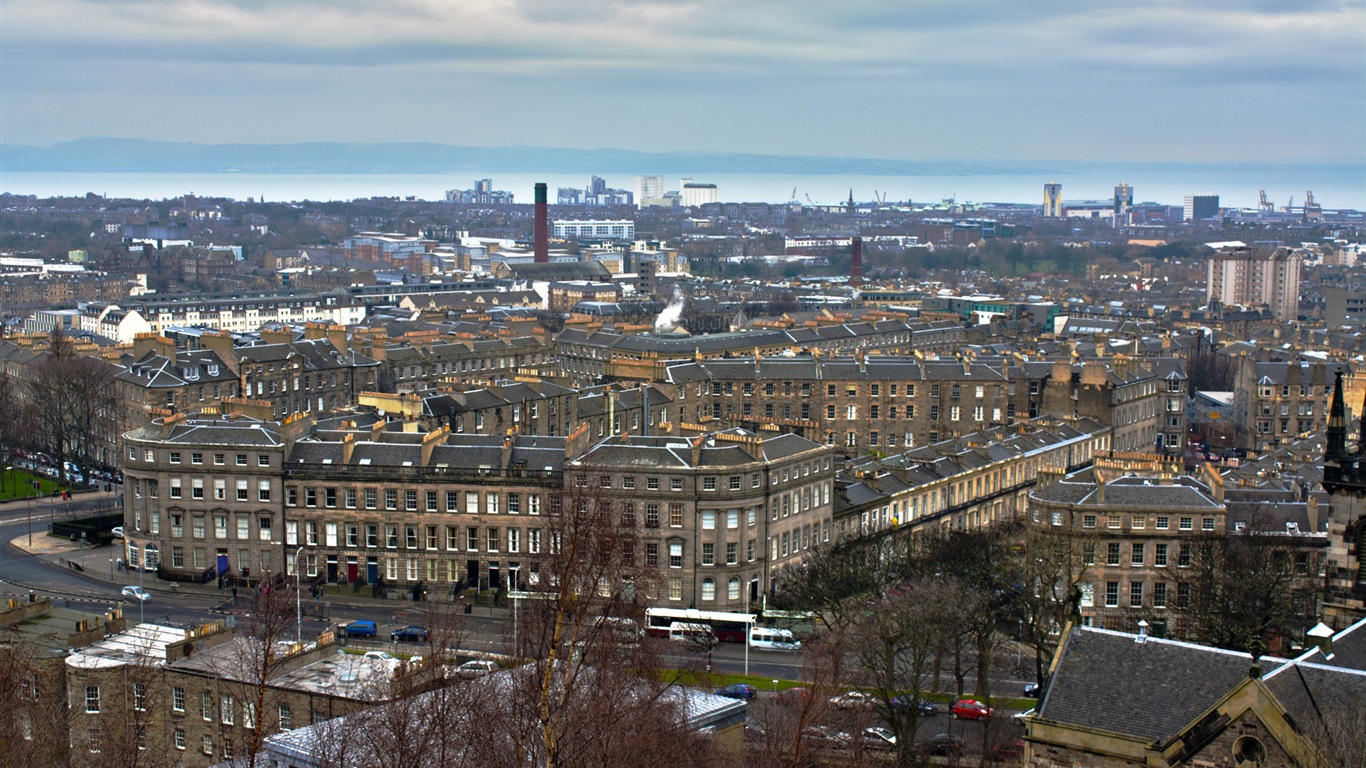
[[45, 569]]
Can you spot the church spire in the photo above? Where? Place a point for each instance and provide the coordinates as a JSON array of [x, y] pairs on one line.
[[1336, 449]]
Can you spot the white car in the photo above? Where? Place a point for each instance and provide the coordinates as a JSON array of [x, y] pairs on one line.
[[853, 700], [136, 593], [118, 531], [476, 668]]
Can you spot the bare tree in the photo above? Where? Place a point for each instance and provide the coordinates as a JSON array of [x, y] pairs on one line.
[[1246, 590], [75, 407], [33, 712], [1046, 574], [898, 642]]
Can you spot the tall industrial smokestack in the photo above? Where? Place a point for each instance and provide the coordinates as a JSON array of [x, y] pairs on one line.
[[542, 231], [856, 263]]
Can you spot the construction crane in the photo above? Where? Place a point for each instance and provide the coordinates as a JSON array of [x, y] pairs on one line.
[[793, 200], [880, 197], [1265, 204]]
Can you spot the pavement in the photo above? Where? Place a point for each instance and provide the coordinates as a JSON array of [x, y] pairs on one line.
[[98, 563]]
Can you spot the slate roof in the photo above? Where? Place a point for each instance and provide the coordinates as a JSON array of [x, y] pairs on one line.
[[238, 431], [1152, 690], [1128, 491]]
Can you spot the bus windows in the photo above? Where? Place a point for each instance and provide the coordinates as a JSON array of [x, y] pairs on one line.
[[683, 631], [765, 639]]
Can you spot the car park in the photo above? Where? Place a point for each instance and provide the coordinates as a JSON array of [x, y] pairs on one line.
[[409, 634], [738, 691], [970, 709], [135, 592]]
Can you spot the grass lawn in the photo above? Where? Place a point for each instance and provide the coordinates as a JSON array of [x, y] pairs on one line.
[[18, 484], [721, 679]]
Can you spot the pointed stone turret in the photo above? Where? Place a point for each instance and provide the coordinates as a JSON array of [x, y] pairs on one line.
[[1335, 452]]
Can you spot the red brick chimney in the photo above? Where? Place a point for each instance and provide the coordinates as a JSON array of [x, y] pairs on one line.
[[542, 229]]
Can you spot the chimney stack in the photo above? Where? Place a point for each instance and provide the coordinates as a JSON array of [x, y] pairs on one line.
[[542, 235], [856, 263]]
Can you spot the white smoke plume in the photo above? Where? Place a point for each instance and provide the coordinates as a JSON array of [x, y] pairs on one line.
[[668, 319]]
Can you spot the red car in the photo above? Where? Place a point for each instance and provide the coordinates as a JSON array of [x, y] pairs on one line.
[[970, 709]]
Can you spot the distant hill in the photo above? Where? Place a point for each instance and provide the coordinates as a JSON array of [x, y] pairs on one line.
[[110, 155], [105, 155]]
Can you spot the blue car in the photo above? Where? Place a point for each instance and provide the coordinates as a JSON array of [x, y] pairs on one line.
[[737, 691]]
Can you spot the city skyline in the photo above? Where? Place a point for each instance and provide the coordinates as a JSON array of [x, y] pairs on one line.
[[1217, 82]]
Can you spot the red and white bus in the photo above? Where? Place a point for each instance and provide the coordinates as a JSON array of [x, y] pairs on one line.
[[728, 627]]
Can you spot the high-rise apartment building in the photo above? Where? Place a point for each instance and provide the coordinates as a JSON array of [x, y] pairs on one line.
[[648, 188], [1052, 200], [1239, 275], [1201, 207], [1124, 199]]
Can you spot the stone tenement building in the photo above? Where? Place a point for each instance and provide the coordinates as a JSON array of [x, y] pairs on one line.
[[412, 367], [1143, 400], [1344, 478], [1276, 402], [588, 357], [723, 513], [886, 403], [316, 374], [963, 483], [188, 697], [408, 513], [1138, 521]]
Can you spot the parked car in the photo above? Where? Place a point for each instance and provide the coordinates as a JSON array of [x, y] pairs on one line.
[[117, 532], [906, 701], [738, 691], [359, 628], [476, 668], [136, 593], [877, 737], [1020, 717], [853, 700], [381, 655], [792, 697], [410, 634], [970, 709], [1032, 690], [827, 736], [942, 744]]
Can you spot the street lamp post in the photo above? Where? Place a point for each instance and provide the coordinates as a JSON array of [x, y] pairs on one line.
[[298, 597], [515, 594], [749, 629]]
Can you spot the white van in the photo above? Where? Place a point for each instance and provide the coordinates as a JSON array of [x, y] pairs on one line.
[[683, 631], [765, 639]]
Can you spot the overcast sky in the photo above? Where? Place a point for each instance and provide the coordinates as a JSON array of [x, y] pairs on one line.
[[1220, 80]]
